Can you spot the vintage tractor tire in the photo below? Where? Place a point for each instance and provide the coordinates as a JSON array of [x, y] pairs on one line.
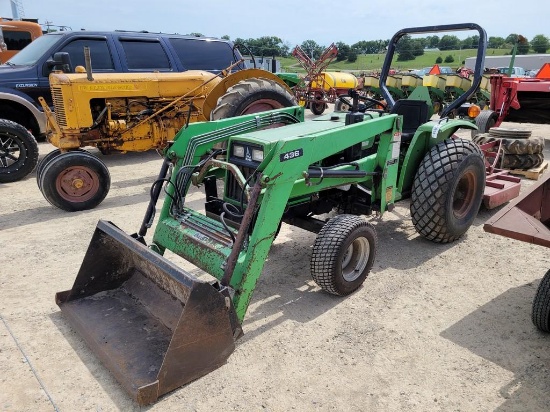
[[74, 181], [448, 190], [531, 145], [521, 162], [252, 96], [485, 120], [343, 254], [340, 106], [43, 162], [318, 107], [18, 151], [540, 314], [46, 159]]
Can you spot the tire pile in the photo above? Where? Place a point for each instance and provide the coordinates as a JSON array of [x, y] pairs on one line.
[[520, 151]]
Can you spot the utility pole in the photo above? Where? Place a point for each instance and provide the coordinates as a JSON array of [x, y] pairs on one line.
[[17, 11]]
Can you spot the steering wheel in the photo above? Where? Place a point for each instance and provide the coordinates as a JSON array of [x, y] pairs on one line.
[[241, 65]]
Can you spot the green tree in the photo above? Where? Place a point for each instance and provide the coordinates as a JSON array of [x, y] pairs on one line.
[[470, 42], [405, 49], [343, 51], [352, 56], [449, 42], [432, 42], [417, 47], [226, 37], [495, 42], [540, 43], [312, 49], [449, 59], [439, 60]]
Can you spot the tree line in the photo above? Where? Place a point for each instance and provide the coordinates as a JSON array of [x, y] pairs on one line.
[[407, 48]]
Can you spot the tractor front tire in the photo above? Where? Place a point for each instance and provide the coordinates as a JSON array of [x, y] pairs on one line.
[[448, 190], [18, 152], [252, 96], [75, 181], [541, 305], [343, 254]]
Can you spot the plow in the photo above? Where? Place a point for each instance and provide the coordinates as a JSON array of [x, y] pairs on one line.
[[157, 326]]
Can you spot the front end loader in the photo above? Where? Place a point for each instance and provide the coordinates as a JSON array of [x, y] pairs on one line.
[[158, 326]]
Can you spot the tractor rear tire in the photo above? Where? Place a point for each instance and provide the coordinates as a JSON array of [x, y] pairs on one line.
[[522, 162], [75, 181], [448, 190], [485, 120], [540, 314], [252, 96], [343, 254], [520, 146], [18, 151]]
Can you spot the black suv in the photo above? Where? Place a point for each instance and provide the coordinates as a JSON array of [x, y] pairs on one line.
[[24, 77]]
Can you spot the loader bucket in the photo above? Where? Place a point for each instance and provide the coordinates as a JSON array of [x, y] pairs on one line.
[[153, 325]]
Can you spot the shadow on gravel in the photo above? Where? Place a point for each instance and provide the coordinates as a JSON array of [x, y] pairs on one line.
[[48, 212], [100, 373], [501, 332]]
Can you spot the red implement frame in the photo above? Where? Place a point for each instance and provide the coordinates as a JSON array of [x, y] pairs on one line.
[[527, 218], [504, 95], [500, 186]]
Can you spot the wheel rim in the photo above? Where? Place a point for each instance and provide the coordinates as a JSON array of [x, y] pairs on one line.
[[355, 259], [464, 194], [262, 105], [10, 151], [77, 184]]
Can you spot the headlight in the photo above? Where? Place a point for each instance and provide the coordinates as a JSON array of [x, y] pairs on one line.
[[238, 151], [257, 155]]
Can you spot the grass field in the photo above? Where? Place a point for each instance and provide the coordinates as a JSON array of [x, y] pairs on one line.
[[369, 62]]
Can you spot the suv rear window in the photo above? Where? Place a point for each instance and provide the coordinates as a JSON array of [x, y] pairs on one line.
[[145, 55], [208, 55]]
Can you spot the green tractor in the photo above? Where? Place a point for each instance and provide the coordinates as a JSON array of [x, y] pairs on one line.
[[157, 326]]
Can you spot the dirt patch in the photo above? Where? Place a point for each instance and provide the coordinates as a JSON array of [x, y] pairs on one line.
[[434, 327]]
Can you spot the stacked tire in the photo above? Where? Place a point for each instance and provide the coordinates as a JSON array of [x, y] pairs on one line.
[[520, 151]]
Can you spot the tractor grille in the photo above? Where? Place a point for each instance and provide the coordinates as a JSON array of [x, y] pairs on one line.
[[57, 96], [232, 189]]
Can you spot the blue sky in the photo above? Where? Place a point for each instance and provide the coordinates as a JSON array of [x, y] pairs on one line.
[[293, 21]]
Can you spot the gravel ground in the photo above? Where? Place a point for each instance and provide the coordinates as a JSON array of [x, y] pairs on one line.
[[434, 328]]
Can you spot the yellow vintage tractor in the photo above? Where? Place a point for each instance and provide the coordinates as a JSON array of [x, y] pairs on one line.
[[136, 112]]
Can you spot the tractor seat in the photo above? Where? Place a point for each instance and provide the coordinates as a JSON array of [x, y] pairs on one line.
[[414, 112]]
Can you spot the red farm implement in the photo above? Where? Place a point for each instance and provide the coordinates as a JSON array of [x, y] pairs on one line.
[[520, 99], [319, 87]]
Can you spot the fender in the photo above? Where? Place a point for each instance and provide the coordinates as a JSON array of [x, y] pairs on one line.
[[233, 79], [24, 101], [427, 136]]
